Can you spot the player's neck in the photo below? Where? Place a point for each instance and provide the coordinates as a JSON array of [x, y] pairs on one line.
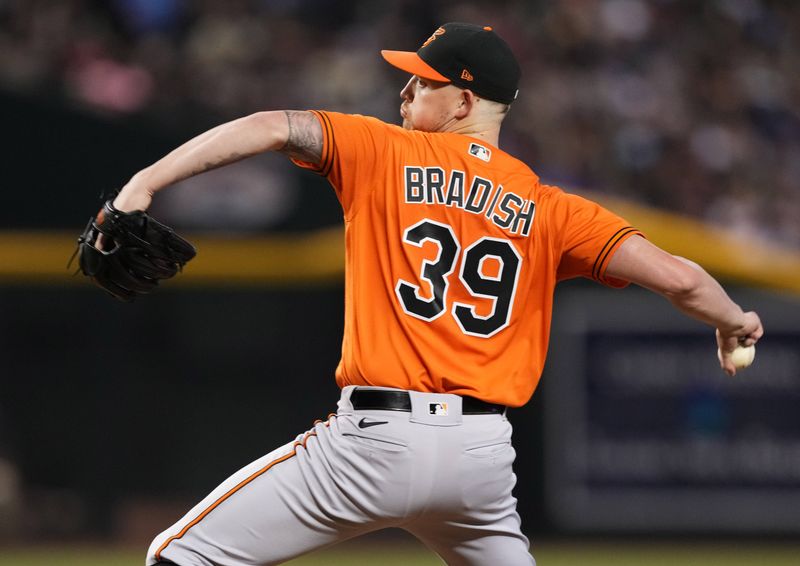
[[492, 138], [486, 132]]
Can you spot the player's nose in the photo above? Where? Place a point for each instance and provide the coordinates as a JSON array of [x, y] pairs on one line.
[[408, 91]]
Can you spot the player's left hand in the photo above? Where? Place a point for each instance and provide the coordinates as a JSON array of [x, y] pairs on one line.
[[137, 252], [131, 199]]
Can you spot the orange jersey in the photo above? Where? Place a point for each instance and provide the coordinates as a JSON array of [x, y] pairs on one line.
[[453, 250]]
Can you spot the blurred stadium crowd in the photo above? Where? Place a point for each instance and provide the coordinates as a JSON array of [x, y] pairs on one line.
[[692, 106]]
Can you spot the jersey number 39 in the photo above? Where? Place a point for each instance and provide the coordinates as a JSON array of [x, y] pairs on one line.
[[500, 288]]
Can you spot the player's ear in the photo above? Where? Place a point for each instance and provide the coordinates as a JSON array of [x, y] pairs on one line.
[[466, 101]]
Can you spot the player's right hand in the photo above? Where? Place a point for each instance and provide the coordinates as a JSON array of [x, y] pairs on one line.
[[747, 334]]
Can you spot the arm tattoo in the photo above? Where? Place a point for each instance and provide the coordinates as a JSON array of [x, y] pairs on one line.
[[305, 137]]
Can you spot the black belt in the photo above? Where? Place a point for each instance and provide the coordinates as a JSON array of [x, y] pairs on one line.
[[387, 400]]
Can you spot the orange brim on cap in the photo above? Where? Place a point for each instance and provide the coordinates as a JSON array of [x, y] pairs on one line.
[[410, 62]]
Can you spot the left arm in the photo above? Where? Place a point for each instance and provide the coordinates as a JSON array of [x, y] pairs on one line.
[[297, 134]]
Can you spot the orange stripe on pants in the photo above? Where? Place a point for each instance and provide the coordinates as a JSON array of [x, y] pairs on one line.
[[213, 506]]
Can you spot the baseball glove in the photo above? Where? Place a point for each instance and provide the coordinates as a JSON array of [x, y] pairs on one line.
[[137, 253]]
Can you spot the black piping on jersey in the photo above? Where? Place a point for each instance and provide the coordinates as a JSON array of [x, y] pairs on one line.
[[326, 159], [608, 248], [329, 142]]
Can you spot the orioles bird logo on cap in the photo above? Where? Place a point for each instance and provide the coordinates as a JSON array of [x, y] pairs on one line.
[[435, 34]]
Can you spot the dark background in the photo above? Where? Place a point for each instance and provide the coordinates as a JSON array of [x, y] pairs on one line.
[[115, 418]]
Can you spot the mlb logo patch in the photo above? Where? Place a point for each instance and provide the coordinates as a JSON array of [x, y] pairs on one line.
[[480, 152], [438, 409]]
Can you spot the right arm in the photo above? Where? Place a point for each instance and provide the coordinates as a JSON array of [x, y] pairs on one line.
[[690, 289], [296, 134]]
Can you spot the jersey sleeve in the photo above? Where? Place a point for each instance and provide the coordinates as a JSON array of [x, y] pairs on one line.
[[591, 236], [354, 148]]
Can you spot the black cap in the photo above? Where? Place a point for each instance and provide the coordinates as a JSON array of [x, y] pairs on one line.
[[467, 55]]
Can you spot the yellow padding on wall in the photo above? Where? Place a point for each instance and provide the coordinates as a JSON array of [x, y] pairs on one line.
[[28, 257], [315, 256], [318, 257], [724, 253]]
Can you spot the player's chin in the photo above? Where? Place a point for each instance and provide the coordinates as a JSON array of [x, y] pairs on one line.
[[417, 125]]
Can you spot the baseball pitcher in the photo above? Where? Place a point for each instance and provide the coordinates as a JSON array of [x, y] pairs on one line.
[[453, 251]]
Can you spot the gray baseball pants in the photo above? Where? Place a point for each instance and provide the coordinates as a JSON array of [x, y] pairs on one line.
[[446, 478]]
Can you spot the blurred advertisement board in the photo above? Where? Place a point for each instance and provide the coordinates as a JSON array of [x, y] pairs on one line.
[[645, 432]]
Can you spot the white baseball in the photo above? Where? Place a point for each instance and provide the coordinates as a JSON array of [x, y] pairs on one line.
[[741, 357]]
